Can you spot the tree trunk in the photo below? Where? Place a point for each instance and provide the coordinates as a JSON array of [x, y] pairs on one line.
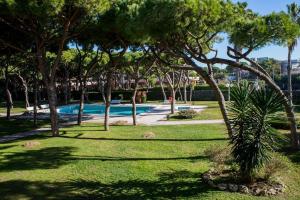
[[289, 75], [162, 88], [180, 94], [185, 92], [238, 71], [9, 102], [52, 99], [289, 110], [35, 96], [191, 93], [25, 90], [102, 91], [107, 102], [69, 88], [81, 104], [221, 102], [66, 88], [173, 95], [134, 121], [212, 83]]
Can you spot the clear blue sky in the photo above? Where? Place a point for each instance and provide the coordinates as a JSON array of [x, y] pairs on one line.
[[265, 7]]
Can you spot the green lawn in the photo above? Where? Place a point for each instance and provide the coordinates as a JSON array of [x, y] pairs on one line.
[[19, 107], [17, 126], [88, 163], [211, 112]]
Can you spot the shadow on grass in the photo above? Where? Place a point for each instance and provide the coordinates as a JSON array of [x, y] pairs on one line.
[[172, 185], [7, 147], [13, 126], [54, 157], [78, 136], [46, 158], [109, 158]]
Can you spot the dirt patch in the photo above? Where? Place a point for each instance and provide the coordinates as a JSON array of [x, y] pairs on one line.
[[149, 135], [31, 144], [119, 123]]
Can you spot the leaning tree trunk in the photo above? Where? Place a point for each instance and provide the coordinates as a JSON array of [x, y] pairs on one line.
[[81, 103], [25, 90], [289, 75], [133, 99], [212, 83], [107, 102], [222, 103], [9, 102], [288, 108], [52, 99]]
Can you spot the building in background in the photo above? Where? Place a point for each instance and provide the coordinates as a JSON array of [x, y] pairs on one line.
[[295, 67]]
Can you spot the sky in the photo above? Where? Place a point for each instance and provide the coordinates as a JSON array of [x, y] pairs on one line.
[[272, 51]]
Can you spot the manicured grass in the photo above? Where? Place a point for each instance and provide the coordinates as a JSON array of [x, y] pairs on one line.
[[88, 163], [17, 126], [211, 112], [19, 107]]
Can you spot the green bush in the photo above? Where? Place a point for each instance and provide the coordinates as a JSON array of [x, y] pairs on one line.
[[187, 114], [250, 112]]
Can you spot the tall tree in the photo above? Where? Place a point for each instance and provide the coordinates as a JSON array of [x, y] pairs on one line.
[[50, 24], [139, 67], [189, 30], [294, 13]]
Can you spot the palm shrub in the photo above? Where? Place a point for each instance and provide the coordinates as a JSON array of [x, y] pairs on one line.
[[251, 111]]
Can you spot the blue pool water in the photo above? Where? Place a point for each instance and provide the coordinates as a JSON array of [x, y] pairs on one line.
[[99, 109]]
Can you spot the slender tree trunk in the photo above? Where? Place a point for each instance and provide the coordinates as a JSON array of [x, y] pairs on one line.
[[133, 99], [52, 99], [289, 110], [173, 95], [162, 88], [108, 100], [238, 71], [222, 103], [81, 103], [191, 93], [289, 75], [9, 102], [25, 90], [66, 88], [102, 91], [212, 83], [180, 94], [69, 88], [185, 92], [35, 96]]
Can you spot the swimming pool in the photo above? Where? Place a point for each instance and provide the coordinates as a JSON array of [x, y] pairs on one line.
[[99, 109]]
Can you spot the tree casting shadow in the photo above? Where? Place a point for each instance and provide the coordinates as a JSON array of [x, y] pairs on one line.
[[172, 185], [54, 157], [78, 136]]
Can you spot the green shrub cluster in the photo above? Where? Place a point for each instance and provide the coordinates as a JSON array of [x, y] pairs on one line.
[[187, 114]]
